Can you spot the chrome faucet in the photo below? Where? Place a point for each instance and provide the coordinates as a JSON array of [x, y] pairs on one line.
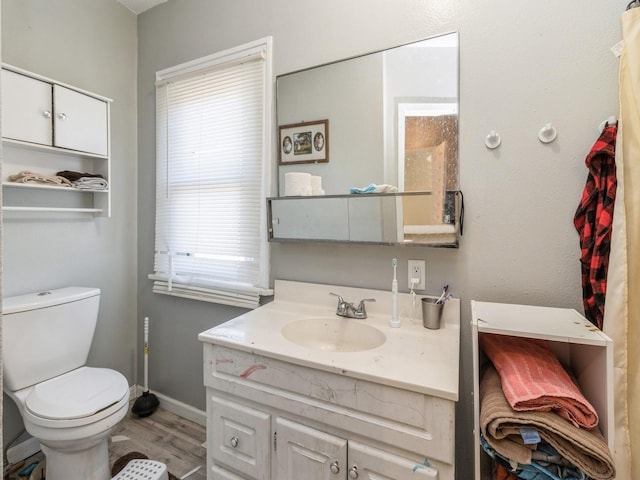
[[349, 310]]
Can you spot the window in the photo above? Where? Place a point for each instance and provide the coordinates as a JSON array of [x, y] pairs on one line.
[[213, 143]]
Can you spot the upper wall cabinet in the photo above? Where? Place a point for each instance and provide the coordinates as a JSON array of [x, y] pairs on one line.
[[48, 127], [50, 114]]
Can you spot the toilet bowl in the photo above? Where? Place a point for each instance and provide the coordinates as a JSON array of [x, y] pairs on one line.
[[68, 407]]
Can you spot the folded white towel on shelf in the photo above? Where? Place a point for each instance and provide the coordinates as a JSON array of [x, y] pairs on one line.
[[91, 183]]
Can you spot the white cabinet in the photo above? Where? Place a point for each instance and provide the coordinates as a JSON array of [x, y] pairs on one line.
[[271, 419], [581, 348], [49, 127], [302, 449], [241, 436], [26, 108], [79, 121], [305, 452], [369, 463]]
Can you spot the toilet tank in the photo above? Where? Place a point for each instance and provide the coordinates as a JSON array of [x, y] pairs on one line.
[[46, 334]]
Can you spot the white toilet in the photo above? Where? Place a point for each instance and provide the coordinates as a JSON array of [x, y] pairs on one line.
[[68, 407]]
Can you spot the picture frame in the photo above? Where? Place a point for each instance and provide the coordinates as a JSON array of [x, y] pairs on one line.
[[305, 142]]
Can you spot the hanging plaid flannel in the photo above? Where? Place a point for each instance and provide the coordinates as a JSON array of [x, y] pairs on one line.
[[593, 220]]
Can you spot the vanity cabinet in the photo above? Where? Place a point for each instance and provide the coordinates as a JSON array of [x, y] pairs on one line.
[[271, 419], [581, 347], [48, 127]]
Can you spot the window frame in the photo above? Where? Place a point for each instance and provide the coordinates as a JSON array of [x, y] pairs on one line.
[[238, 296]]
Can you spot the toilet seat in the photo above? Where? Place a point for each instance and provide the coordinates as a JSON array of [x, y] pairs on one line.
[[78, 394]]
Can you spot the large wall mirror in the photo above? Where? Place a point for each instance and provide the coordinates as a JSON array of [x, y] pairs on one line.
[[382, 127]]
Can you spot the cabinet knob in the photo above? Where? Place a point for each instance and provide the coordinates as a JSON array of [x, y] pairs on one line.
[[46, 114], [335, 467], [353, 472], [234, 442], [62, 116]]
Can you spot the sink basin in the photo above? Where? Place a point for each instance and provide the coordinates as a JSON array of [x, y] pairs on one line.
[[334, 334]]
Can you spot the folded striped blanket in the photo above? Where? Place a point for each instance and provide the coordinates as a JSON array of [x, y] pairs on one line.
[[533, 379]]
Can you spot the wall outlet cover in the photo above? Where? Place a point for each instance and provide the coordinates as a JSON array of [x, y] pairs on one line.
[[417, 269]]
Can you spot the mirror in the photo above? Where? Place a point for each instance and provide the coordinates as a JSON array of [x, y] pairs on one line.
[[383, 123]]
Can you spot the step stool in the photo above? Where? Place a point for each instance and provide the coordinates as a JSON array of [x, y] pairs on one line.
[[143, 469]]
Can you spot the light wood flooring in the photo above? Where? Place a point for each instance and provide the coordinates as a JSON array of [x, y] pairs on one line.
[[165, 437], [162, 436]]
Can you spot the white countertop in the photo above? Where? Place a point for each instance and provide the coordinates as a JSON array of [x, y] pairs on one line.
[[412, 357]]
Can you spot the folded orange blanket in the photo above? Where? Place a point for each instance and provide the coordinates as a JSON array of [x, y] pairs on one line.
[[533, 379]]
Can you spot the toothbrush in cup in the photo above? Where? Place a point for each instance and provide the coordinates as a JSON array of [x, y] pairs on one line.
[[444, 297]]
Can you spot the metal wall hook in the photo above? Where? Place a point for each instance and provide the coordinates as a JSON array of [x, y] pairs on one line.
[[547, 134]]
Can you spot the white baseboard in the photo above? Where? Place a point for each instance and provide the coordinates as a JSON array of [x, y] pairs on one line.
[[174, 406]]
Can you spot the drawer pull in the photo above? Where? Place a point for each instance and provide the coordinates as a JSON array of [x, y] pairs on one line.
[[335, 467], [353, 472], [234, 442], [46, 114]]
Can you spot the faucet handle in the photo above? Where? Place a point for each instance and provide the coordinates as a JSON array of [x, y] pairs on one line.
[[342, 305], [361, 312], [336, 295]]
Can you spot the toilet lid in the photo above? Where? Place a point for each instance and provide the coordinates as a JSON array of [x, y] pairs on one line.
[[77, 394]]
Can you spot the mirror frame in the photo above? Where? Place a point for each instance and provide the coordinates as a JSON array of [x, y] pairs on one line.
[[455, 207]]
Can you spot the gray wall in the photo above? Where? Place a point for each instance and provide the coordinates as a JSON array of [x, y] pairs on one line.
[[90, 45], [523, 64], [341, 93]]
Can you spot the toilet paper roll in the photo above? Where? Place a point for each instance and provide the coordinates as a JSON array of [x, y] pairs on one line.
[[297, 184], [316, 185]]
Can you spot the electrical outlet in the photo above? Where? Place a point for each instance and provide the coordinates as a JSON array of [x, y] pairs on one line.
[[417, 269]]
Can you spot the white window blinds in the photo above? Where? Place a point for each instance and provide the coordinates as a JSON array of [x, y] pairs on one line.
[[213, 124]]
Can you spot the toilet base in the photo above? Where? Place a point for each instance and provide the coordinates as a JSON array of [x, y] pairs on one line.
[[79, 463]]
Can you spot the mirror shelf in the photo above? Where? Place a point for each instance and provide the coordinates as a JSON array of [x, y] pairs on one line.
[[380, 219]]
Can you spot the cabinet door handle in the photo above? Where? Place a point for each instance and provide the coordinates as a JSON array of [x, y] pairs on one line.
[[62, 116], [353, 472], [335, 467], [46, 114], [234, 442]]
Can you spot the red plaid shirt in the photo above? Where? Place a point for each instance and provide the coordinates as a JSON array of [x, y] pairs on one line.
[[593, 221]]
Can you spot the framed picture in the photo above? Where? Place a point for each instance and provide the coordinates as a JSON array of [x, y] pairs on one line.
[[306, 142]]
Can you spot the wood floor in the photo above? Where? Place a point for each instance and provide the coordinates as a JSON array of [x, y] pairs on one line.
[[165, 437]]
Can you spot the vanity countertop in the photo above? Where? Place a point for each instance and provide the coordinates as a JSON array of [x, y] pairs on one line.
[[412, 357]]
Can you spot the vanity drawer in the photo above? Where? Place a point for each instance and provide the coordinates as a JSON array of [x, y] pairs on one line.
[[407, 407], [241, 436]]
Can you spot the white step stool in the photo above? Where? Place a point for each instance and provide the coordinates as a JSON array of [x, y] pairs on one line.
[[143, 469]]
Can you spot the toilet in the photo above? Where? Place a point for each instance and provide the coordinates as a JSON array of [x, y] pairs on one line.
[[68, 407]]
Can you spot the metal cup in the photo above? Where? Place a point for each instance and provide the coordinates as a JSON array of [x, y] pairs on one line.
[[431, 313]]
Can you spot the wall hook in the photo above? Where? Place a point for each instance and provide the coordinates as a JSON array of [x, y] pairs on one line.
[[547, 134], [608, 122], [492, 140]]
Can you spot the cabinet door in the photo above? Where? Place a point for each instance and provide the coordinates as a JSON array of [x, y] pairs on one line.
[[370, 463], [306, 453], [26, 108], [80, 121], [240, 437]]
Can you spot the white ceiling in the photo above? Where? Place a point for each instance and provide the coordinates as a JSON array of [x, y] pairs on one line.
[[139, 6]]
